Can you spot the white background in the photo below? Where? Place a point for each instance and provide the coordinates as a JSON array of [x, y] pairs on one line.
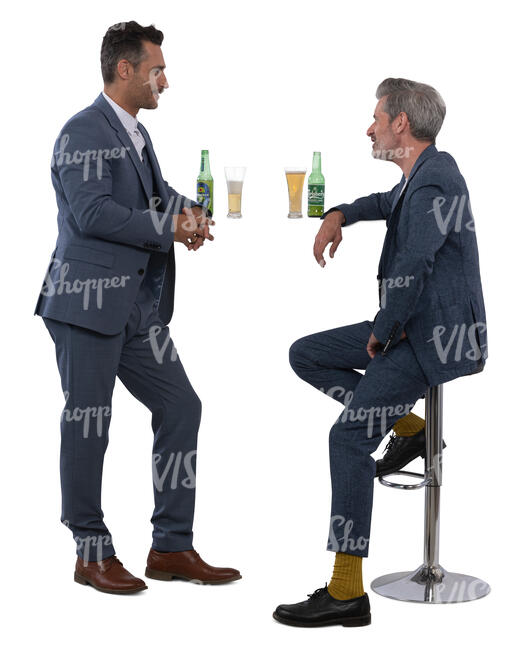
[[263, 85]]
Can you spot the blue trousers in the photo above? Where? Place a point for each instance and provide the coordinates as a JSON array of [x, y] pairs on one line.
[[373, 401], [145, 359]]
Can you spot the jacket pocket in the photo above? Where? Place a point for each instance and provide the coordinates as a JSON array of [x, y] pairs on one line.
[[88, 255]]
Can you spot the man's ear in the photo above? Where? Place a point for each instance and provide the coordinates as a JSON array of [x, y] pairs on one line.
[[401, 122]]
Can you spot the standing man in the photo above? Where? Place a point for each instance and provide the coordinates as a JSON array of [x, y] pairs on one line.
[[107, 299], [430, 329]]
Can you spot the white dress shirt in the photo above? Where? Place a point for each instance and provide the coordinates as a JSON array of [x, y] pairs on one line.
[[130, 124]]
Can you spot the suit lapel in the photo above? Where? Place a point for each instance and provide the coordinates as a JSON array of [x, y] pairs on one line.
[[158, 178], [398, 195], [125, 139], [425, 154], [392, 220]]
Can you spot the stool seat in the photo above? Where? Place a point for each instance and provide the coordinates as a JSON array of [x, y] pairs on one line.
[[430, 582]]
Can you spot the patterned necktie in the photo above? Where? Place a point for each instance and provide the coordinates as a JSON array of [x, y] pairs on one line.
[[139, 142]]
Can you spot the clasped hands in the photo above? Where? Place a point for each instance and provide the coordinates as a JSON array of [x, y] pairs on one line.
[[331, 232], [191, 227]]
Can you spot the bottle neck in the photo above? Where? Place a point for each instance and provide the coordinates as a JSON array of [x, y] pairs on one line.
[[204, 168], [316, 162]]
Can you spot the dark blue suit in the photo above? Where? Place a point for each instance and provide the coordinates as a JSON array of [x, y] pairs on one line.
[[106, 300], [429, 279], [430, 287]]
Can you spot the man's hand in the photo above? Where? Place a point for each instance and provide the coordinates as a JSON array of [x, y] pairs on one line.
[[374, 345], [191, 228], [330, 231]]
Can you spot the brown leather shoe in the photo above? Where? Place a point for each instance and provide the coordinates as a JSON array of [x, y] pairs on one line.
[[109, 576], [186, 565]]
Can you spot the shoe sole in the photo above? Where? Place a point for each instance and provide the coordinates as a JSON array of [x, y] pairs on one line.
[[154, 574], [84, 581], [354, 621]]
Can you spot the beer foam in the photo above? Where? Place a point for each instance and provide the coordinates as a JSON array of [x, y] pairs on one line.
[[235, 187]]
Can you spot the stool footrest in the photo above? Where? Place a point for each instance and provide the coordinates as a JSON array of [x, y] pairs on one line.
[[405, 486]]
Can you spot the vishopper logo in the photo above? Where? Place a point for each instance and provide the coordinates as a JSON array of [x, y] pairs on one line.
[[434, 466], [159, 351], [338, 391], [376, 416], [459, 590], [85, 158], [342, 540], [117, 27], [173, 469], [399, 282], [174, 207], [391, 154], [457, 335], [61, 285], [153, 74], [85, 544], [458, 202], [85, 415]]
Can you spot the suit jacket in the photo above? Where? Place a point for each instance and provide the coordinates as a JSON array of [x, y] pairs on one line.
[[109, 226], [429, 278]]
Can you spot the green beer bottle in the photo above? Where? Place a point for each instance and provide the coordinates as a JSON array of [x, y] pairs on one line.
[[205, 182], [315, 189]]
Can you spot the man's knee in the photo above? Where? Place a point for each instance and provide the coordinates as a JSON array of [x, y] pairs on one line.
[[353, 435], [299, 354], [192, 404], [195, 405]]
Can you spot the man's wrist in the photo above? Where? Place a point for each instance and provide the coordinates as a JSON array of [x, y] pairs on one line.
[[335, 215]]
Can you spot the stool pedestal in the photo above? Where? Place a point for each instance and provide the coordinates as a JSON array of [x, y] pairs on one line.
[[430, 583]]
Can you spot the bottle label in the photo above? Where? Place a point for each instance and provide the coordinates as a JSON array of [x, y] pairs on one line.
[[204, 194], [315, 194]]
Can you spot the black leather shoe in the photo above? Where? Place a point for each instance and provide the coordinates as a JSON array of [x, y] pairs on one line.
[[400, 451], [322, 609]]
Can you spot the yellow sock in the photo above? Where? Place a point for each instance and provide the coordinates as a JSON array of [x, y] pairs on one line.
[[346, 581], [409, 425]]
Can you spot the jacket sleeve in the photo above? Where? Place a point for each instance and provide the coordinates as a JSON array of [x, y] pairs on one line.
[[179, 201], [368, 208], [86, 178], [427, 223]]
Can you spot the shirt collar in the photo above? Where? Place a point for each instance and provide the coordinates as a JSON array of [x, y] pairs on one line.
[[128, 121]]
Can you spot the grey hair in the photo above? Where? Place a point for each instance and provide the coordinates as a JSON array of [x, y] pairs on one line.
[[422, 104]]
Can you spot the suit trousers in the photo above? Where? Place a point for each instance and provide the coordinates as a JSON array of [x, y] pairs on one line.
[[145, 359], [373, 401]]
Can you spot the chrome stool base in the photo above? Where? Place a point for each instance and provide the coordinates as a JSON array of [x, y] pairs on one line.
[[430, 585]]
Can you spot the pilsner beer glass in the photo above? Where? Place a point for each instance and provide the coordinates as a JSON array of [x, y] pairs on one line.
[[234, 177], [295, 183]]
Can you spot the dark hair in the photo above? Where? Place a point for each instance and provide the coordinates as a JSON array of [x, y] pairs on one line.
[[124, 41]]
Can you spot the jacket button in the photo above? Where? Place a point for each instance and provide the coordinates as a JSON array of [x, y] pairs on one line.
[[141, 271]]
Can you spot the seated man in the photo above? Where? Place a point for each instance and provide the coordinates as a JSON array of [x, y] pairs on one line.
[[430, 329]]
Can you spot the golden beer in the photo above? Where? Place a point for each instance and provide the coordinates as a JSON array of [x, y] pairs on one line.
[[295, 184], [234, 189]]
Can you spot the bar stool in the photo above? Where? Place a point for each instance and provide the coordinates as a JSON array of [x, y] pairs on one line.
[[430, 583]]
